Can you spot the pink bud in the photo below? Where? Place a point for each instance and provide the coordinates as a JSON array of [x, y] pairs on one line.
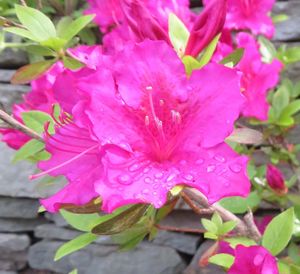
[[275, 179], [208, 24], [141, 22]]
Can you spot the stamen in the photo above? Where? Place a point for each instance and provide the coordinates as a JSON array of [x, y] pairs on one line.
[[32, 177]]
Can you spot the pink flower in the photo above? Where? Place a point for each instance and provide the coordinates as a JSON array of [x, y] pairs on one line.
[[263, 222], [140, 131], [250, 15], [253, 260], [207, 26], [258, 77], [275, 179]]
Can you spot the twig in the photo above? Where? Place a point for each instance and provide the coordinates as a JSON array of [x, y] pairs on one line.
[[39, 4], [241, 228], [10, 23], [23, 3], [180, 229], [19, 126], [194, 206], [252, 228]]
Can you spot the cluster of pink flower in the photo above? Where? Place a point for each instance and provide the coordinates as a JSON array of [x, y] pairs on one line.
[[137, 125]]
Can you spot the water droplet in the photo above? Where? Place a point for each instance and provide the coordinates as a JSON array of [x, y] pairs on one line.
[[156, 186], [258, 259], [134, 167], [236, 168], [159, 175], [211, 168], [199, 161], [227, 184], [146, 170], [220, 158], [146, 191], [154, 193], [171, 177], [188, 177], [159, 203], [125, 179], [148, 180]]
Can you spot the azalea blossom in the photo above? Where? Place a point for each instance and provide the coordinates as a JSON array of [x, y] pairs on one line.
[[252, 15], [143, 127], [253, 260], [258, 78]]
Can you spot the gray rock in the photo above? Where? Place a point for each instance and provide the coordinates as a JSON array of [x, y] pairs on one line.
[[10, 94], [42, 253], [8, 272], [57, 219], [6, 75], [182, 242], [194, 268], [13, 59], [18, 208], [289, 29], [14, 180], [20, 225], [13, 242], [96, 259], [146, 259], [294, 135], [51, 231]]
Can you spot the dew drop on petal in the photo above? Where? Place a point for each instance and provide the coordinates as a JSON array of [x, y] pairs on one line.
[[258, 259], [125, 179], [156, 186], [171, 177], [148, 180], [188, 177], [220, 158], [146, 191], [199, 161], [134, 167], [236, 168], [159, 203], [227, 184], [154, 193], [211, 168], [146, 170], [159, 175]]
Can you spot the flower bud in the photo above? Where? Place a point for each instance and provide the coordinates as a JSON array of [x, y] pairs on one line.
[[208, 24], [275, 179], [141, 22]]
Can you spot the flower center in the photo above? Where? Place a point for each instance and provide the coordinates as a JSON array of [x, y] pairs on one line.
[[163, 122]]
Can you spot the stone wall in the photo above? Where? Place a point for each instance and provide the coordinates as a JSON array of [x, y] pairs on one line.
[[28, 240]]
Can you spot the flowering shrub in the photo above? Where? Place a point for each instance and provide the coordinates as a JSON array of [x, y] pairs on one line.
[[170, 105]]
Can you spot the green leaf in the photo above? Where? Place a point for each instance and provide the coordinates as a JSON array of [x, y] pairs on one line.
[[233, 58], [209, 225], [294, 269], [208, 52], [74, 245], [75, 271], [289, 56], [36, 22], [76, 26], [40, 50], [125, 220], [131, 237], [27, 150], [279, 232], [239, 241], [190, 64], [210, 235], [54, 43], [227, 227], [291, 109], [36, 120], [31, 72], [267, 49], [240, 205], [178, 33], [280, 99], [82, 222], [223, 260], [21, 32], [72, 63], [217, 220], [63, 24], [283, 267], [293, 252], [278, 18]]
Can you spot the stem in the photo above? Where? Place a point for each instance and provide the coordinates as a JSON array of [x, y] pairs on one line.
[[19, 126], [10, 23], [252, 228], [23, 3], [199, 201], [180, 229]]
